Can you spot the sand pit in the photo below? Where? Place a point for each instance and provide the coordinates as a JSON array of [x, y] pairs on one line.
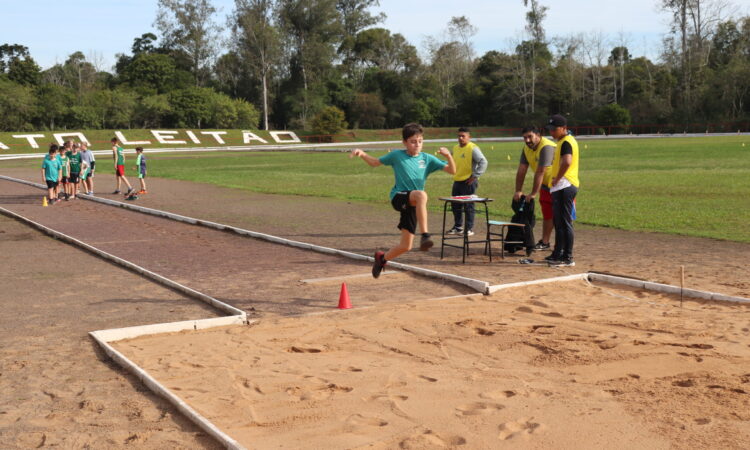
[[566, 365]]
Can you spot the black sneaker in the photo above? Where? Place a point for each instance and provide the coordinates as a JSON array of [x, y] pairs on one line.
[[129, 191], [455, 230], [541, 246], [425, 243], [553, 258], [116, 192], [379, 264], [564, 262]]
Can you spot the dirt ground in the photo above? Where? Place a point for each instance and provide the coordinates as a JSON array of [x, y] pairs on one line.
[[259, 277]]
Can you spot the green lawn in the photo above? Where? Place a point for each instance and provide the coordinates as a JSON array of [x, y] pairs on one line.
[[692, 186]]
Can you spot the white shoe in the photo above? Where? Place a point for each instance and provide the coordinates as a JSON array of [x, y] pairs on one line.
[[470, 233]]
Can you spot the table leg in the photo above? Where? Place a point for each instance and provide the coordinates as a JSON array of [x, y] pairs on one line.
[[442, 235]]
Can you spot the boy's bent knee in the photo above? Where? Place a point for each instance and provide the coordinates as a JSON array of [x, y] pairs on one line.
[[418, 196]]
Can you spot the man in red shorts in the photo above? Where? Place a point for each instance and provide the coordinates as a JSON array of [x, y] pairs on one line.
[[537, 153]]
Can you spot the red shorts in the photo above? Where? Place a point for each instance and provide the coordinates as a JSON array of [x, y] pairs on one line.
[[120, 170], [545, 200]]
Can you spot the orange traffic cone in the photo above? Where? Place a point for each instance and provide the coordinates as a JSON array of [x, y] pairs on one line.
[[44, 201], [344, 302]]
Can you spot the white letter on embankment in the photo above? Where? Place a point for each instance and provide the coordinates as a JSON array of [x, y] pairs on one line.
[[292, 137], [166, 137], [124, 141], [248, 136], [216, 135], [4, 147], [192, 137], [29, 137]]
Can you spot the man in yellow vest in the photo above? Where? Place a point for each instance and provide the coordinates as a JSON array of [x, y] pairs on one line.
[[470, 165], [563, 187], [537, 154]]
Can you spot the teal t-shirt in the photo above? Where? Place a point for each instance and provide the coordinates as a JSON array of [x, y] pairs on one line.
[[51, 168], [411, 171]]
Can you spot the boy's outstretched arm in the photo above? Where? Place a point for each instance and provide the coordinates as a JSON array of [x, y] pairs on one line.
[[451, 167], [370, 160]]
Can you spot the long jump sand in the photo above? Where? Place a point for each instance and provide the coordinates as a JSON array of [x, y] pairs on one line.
[[570, 365]]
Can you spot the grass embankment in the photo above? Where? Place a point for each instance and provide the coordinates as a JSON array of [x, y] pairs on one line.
[[100, 139], [690, 186]]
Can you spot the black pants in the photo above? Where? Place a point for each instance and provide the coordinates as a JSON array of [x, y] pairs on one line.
[[562, 217], [461, 188]]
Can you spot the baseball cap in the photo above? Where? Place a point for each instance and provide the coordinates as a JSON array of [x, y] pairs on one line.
[[556, 121]]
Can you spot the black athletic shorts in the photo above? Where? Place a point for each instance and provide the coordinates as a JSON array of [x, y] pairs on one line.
[[51, 184], [401, 204], [74, 177], [93, 167], [65, 180]]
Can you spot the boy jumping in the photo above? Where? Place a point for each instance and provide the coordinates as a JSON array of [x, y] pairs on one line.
[[411, 168]]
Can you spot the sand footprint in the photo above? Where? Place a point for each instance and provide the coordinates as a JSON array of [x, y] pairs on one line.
[[428, 439], [521, 427], [357, 423], [479, 408], [497, 395]]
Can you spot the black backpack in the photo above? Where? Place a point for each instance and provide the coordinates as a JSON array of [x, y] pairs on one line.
[[523, 213]]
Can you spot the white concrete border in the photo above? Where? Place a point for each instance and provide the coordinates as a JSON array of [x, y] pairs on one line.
[[477, 285], [498, 287], [666, 288]]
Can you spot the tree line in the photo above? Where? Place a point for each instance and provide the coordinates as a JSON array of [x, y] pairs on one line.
[[327, 65]]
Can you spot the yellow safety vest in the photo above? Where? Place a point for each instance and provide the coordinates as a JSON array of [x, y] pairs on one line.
[[572, 173], [532, 156], [463, 157]]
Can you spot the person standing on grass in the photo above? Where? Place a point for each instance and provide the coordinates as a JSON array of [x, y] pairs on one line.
[[51, 173], [537, 154], [470, 165], [64, 161], [87, 177], [411, 168], [564, 188], [118, 157], [140, 168]]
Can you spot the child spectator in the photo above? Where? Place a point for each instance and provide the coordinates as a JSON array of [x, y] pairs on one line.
[[88, 177], [140, 168], [51, 173], [118, 157], [64, 161], [76, 166]]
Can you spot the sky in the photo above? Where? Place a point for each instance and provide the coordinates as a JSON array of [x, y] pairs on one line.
[[103, 28]]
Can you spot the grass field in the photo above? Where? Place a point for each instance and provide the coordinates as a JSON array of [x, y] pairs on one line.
[[690, 186]]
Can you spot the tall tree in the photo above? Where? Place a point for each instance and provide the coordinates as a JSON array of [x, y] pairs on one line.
[[355, 17], [312, 31], [257, 41], [534, 18], [188, 26]]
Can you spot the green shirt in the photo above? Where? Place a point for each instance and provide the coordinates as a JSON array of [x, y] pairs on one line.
[[75, 161], [63, 164], [120, 157], [51, 168], [411, 171]]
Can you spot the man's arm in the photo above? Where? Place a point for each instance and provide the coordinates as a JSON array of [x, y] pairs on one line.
[[538, 177], [370, 160], [451, 167], [478, 165], [520, 176]]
